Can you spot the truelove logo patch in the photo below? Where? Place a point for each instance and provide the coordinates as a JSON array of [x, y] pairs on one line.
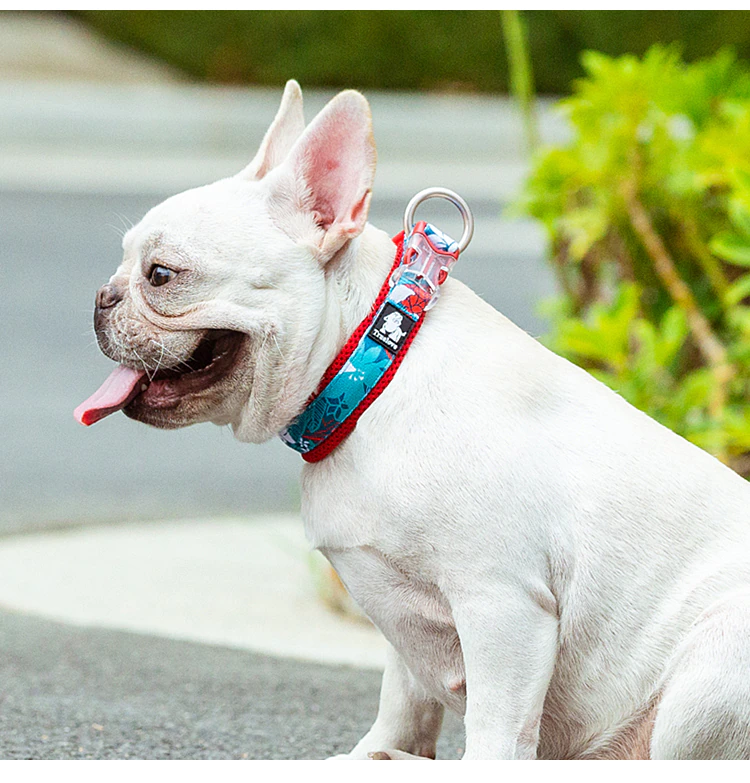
[[391, 327]]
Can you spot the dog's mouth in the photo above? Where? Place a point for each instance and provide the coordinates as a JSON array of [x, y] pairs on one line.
[[213, 358]]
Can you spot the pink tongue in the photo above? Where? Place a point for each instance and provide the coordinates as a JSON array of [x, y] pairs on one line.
[[113, 395]]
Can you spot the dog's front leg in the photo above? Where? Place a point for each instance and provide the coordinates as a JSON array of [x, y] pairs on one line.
[[509, 644], [408, 722]]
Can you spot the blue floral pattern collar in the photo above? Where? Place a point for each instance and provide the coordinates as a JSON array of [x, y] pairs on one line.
[[372, 355]]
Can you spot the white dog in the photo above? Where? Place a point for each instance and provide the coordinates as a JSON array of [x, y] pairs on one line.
[[570, 575]]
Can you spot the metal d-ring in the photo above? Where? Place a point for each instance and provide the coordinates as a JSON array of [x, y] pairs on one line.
[[457, 202]]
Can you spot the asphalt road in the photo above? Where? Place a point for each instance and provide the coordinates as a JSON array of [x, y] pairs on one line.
[[73, 693], [57, 249]]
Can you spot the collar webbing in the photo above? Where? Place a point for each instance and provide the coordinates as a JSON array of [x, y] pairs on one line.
[[373, 353]]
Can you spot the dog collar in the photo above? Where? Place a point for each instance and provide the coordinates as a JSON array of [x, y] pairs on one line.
[[373, 353]]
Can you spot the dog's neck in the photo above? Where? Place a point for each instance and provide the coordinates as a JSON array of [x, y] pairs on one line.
[[357, 276], [353, 279]]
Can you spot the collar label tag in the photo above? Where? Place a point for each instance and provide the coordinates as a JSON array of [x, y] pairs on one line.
[[391, 328]]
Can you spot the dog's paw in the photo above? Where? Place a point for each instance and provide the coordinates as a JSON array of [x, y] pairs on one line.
[[394, 755], [378, 755]]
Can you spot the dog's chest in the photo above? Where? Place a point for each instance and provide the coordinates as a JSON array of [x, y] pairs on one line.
[[412, 614]]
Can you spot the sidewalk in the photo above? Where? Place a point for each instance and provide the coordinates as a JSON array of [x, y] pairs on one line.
[[240, 583], [53, 47]]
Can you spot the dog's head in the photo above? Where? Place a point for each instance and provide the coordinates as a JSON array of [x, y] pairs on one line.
[[222, 290]]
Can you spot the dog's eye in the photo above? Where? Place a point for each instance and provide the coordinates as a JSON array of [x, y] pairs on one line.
[[160, 275]]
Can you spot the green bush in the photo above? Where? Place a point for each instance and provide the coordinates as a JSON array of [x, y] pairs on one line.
[[648, 214]]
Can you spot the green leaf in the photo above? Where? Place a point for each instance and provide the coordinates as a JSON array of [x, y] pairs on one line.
[[737, 291], [577, 338], [739, 213], [739, 318], [743, 178], [645, 334], [673, 332], [584, 227], [694, 391], [732, 248]]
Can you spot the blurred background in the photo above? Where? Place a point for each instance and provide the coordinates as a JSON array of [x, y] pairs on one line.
[[606, 156]]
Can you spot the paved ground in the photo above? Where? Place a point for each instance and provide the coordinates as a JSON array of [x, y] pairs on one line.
[[70, 693], [249, 583], [53, 47]]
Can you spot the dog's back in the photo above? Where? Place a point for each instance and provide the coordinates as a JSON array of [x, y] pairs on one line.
[[544, 473]]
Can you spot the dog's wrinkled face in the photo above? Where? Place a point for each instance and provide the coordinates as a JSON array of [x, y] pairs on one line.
[[222, 289], [192, 308]]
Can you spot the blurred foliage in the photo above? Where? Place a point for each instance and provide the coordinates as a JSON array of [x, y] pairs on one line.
[[405, 50], [521, 74], [648, 213]]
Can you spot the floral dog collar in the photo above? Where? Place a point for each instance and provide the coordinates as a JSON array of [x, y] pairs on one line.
[[373, 353]]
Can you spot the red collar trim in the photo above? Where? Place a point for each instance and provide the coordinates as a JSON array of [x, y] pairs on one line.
[[353, 341], [346, 427]]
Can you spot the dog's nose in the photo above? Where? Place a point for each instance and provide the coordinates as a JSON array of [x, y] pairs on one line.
[[108, 296]]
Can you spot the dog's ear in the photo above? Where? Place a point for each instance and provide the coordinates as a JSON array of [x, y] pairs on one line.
[[321, 193], [285, 129]]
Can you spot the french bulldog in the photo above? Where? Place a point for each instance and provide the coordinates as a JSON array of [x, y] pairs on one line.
[[542, 557]]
